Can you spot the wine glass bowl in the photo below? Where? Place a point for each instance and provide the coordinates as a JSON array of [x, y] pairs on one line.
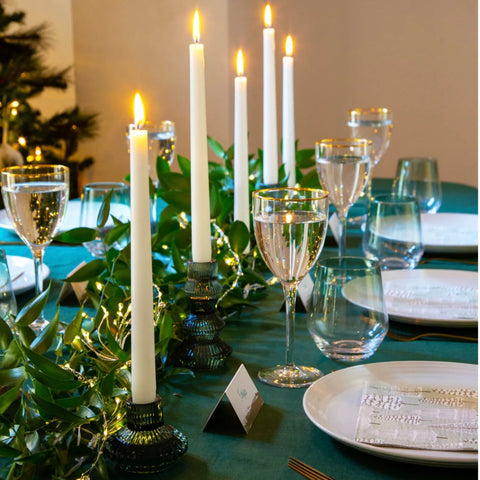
[[35, 198], [290, 226], [374, 124], [343, 166]]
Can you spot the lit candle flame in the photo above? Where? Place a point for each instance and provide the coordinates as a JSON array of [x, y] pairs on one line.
[[240, 63], [139, 112], [196, 27], [289, 46], [267, 18], [289, 218]]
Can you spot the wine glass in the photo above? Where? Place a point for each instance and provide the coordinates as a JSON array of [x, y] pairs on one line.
[[35, 198], [374, 124], [290, 226], [343, 166]]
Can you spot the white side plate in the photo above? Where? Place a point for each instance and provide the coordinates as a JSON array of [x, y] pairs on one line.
[[22, 273]]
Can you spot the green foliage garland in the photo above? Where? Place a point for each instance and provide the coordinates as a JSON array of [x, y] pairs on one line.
[[62, 389]]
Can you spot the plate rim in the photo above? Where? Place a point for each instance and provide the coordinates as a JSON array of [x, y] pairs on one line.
[[449, 247], [429, 321], [416, 456], [24, 288]]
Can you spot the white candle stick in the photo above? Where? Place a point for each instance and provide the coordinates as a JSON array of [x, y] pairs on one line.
[[270, 148], [241, 207], [143, 343], [288, 111], [201, 241]]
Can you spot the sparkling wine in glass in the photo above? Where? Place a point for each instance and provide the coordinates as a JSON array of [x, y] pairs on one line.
[[35, 198], [343, 166], [375, 124], [290, 226]]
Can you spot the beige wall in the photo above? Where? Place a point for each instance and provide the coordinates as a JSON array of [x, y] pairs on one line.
[[418, 57]]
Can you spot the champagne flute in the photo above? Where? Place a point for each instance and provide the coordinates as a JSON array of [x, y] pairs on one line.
[[343, 166], [374, 124], [290, 226], [35, 198]]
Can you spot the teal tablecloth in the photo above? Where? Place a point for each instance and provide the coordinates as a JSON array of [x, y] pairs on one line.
[[282, 429]]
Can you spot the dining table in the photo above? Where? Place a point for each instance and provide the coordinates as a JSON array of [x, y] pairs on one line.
[[257, 337]]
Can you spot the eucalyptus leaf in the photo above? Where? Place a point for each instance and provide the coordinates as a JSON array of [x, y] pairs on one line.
[[215, 202], [77, 235], [54, 410], [174, 181], [51, 381], [116, 233], [12, 356], [32, 310], [45, 365]]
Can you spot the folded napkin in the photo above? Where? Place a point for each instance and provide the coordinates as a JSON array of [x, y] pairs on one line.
[[418, 417]]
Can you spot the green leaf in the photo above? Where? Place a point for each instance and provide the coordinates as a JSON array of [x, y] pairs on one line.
[[116, 233], [174, 181], [8, 452], [305, 158], [5, 334], [106, 387], [73, 330], [115, 347], [9, 397], [90, 270], [77, 235], [104, 210], [239, 236], [162, 166], [178, 262], [184, 164], [12, 356], [215, 202], [45, 365], [55, 411], [310, 180], [180, 200], [32, 310], [52, 381], [217, 148], [12, 376], [44, 341]]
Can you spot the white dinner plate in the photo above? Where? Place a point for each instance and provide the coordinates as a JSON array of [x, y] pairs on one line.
[[442, 298], [332, 404], [22, 273], [70, 220], [450, 232]]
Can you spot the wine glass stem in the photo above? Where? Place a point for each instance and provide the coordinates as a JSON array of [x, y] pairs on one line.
[[290, 291], [38, 262], [342, 241]]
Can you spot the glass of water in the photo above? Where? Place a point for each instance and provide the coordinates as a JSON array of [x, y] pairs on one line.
[[348, 320], [393, 234], [418, 177]]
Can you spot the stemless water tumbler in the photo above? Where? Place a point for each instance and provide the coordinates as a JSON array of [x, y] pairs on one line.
[[348, 320], [418, 177], [393, 233]]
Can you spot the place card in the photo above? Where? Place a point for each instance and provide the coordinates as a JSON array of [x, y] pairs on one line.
[[78, 288], [238, 406]]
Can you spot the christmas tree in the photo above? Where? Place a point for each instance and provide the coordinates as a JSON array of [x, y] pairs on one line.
[[26, 135]]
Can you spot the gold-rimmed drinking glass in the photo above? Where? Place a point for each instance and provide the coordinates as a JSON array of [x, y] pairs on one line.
[[290, 226], [375, 124], [35, 198], [343, 166]]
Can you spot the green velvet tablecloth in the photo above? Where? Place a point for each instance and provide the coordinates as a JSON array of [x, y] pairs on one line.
[[282, 429]]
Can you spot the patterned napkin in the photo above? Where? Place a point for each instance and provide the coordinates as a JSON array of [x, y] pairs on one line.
[[418, 417]]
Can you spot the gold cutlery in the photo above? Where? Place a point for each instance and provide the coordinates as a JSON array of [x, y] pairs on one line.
[[410, 338], [306, 471]]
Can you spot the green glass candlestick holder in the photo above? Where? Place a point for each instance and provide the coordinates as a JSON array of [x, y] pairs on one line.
[[146, 444], [202, 348]]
